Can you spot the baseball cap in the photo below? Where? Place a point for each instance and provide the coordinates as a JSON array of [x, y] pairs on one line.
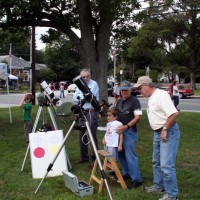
[[125, 85], [141, 80]]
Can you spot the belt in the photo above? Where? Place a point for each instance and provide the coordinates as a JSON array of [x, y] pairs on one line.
[[159, 129]]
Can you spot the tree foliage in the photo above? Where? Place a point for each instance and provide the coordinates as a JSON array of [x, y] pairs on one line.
[[62, 58], [95, 20], [18, 40], [180, 27]]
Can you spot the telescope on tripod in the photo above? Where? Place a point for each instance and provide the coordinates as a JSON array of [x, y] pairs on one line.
[[80, 112], [48, 101]]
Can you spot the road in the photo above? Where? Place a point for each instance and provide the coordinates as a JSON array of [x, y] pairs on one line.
[[190, 104]]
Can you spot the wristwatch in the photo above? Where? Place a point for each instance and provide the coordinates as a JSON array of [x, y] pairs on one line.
[[165, 128]]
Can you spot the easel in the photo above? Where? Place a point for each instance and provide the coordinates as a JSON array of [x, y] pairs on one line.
[[35, 126], [108, 163]]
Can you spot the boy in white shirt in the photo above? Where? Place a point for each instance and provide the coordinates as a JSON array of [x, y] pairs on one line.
[[112, 141]]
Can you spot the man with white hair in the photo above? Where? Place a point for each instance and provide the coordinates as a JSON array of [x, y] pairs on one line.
[[91, 115], [162, 116]]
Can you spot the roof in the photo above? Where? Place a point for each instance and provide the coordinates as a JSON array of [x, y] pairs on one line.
[[19, 63]]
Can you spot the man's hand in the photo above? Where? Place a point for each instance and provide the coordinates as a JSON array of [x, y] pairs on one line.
[[121, 129], [163, 135]]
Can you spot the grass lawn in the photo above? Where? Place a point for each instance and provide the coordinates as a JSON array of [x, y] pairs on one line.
[[197, 92], [18, 185]]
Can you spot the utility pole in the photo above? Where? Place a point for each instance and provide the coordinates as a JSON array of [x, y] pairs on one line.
[[30, 71], [33, 64], [114, 61], [10, 58]]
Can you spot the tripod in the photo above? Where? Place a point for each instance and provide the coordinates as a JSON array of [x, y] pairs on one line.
[[83, 117], [34, 130]]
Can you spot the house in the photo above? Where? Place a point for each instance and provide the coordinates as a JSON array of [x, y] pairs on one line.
[[18, 66]]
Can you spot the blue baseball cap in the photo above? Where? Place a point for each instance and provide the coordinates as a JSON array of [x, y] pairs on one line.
[[125, 85]]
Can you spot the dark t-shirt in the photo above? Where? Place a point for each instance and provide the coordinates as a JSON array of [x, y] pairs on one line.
[[127, 108]]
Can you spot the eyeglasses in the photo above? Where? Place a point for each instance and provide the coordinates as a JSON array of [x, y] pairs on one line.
[[85, 76], [139, 88]]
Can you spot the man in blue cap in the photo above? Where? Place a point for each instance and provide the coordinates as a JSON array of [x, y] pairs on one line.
[[130, 113]]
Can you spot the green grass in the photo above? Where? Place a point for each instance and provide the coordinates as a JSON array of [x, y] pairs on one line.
[[18, 185], [197, 92]]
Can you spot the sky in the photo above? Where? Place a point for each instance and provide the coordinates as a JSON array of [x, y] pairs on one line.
[[38, 32]]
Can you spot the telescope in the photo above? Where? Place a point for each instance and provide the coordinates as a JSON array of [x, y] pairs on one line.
[[49, 93], [88, 97]]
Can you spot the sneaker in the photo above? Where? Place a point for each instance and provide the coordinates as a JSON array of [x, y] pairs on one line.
[[126, 177], [112, 173], [134, 184], [154, 188], [166, 197]]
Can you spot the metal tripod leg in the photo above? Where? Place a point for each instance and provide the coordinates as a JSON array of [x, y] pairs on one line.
[[56, 155], [52, 118], [55, 126], [103, 174]]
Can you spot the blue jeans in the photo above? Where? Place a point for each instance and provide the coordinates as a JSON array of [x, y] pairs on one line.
[[164, 159], [128, 157], [176, 100], [62, 94]]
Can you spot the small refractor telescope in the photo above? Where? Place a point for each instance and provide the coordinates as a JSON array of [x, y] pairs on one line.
[[47, 91]]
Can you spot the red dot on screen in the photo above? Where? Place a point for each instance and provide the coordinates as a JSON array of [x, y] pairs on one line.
[[39, 152]]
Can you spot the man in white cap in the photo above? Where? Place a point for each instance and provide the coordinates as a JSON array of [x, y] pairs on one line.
[[162, 116], [130, 113]]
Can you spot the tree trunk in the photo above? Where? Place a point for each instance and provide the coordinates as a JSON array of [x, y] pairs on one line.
[[193, 67], [95, 45]]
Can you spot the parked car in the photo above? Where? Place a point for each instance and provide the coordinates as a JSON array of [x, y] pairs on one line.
[[184, 89], [71, 88]]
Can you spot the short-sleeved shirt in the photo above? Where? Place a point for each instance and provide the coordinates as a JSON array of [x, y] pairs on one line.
[[175, 91], [27, 111], [160, 107], [62, 87], [111, 136], [127, 107]]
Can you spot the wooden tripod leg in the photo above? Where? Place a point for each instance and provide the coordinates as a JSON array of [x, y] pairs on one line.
[[118, 173]]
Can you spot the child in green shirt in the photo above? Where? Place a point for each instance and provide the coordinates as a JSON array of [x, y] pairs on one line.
[[26, 104]]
